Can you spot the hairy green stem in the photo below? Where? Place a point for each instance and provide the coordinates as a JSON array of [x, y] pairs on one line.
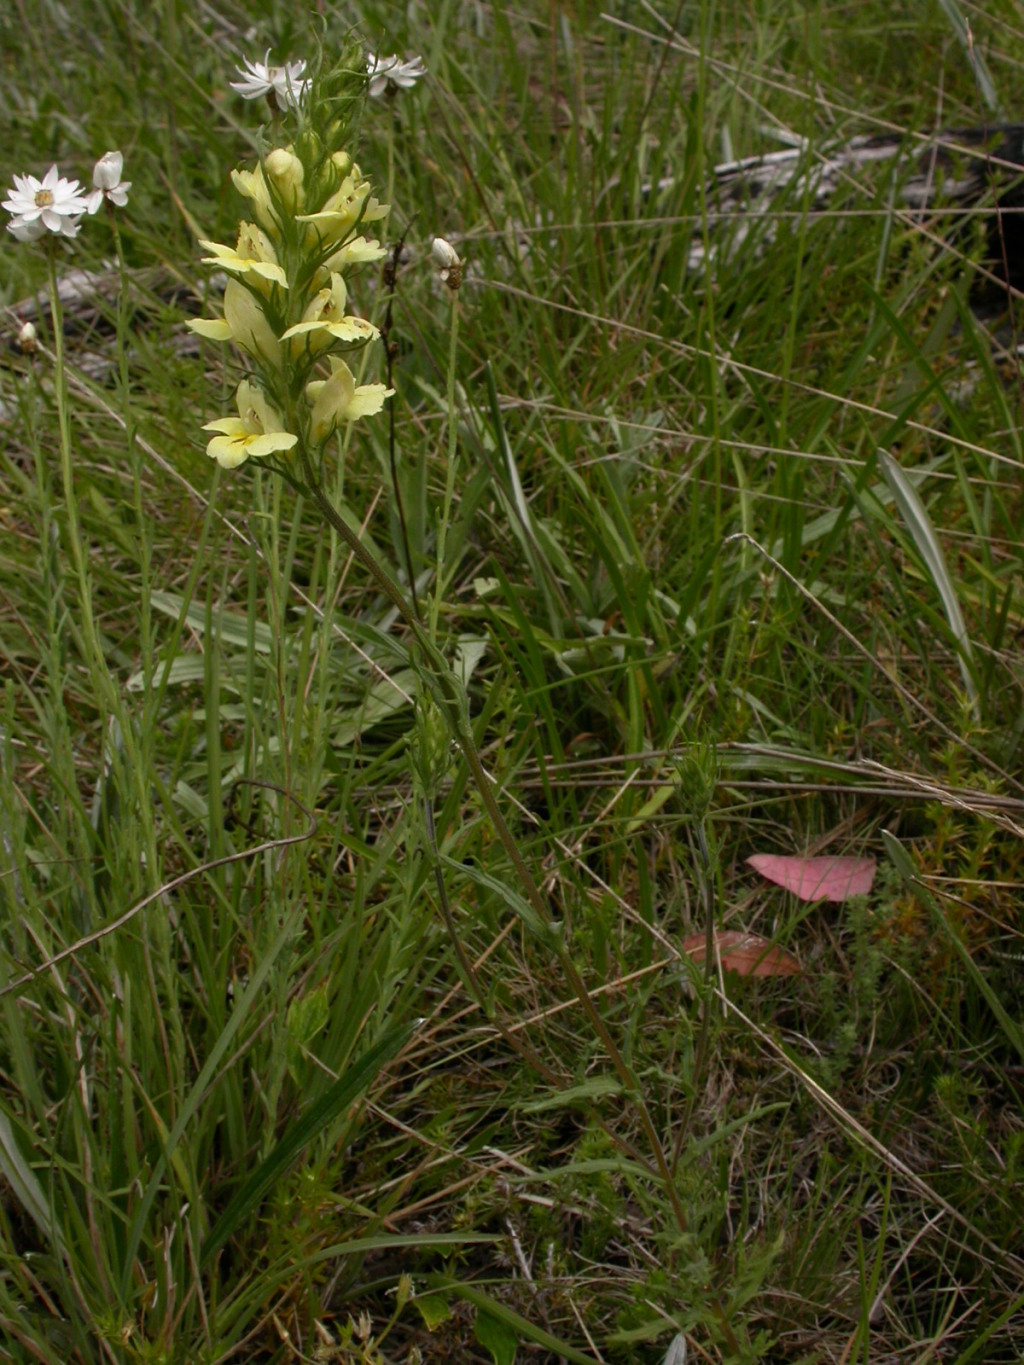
[[452, 464]]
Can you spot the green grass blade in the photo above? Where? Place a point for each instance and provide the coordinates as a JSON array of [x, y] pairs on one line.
[[918, 523], [908, 872], [341, 1094]]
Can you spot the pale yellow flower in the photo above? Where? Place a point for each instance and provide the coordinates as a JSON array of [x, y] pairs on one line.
[[255, 432], [339, 399], [286, 171], [253, 185], [244, 322], [351, 203], [325, 320], [359, 251], [254, 254]]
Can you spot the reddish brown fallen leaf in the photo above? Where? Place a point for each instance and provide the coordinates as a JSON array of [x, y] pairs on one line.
[[817, 879], [747, 954]]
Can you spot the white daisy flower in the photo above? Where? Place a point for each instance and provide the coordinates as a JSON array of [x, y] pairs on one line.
[[285, 83], [388, 74], [52, 204], [106, 176]]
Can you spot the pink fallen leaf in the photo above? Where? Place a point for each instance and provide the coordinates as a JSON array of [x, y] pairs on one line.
[[746, 954], [817, 879]]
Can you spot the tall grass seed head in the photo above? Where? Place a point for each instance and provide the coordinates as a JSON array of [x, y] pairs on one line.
[[697, 770], [430, 746]]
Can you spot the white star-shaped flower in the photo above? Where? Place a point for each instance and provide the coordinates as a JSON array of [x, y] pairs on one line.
[[52, 204], [285, 83], [388, 74]]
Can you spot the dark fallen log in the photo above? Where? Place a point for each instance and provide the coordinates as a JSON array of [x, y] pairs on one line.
[[957, 174]]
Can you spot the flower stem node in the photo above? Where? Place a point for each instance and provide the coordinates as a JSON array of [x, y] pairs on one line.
[[448, 262], [257, 430]]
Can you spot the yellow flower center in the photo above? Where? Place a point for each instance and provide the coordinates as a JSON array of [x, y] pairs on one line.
[[44, 198]]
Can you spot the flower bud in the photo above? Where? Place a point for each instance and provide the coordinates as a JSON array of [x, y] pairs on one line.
[[253, 185], [444, 254], [286, 171], [448, 262]]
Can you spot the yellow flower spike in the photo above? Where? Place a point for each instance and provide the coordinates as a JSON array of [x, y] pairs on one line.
[[254, 254], [338, 399], [286, 171], [255, 432], [325, 320]]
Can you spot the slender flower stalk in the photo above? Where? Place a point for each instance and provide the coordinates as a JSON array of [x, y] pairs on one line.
[[311, 203], [444, 258]]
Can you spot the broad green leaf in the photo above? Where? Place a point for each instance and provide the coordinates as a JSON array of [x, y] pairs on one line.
[[498, 1337]]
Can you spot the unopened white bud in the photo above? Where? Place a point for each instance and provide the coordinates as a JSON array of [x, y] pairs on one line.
[[448, 261], [444, 254]]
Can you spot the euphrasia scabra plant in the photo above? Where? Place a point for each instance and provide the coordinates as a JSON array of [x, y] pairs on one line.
[[286, 308]]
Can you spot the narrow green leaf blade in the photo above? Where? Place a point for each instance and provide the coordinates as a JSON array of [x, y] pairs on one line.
[[918, 523], [908, 872], [348, 1088]]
